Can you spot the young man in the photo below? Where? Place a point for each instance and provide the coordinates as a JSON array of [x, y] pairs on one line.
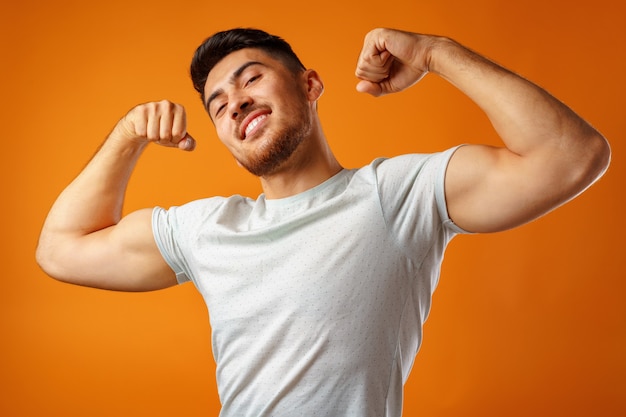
[[318, 289]]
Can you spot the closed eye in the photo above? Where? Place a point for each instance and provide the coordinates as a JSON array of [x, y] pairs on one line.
[[253, 79], [219, 109]]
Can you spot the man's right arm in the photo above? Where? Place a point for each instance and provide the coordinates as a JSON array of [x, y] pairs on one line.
[[85, 240]]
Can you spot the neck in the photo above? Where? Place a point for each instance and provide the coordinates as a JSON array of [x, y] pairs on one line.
[[310, 165]]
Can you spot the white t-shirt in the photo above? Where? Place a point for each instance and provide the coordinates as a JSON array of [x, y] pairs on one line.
[[317, 301]]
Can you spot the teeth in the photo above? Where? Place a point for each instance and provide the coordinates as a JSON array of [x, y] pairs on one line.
[[254, 123]]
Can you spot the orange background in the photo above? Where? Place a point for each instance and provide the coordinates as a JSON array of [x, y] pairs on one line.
[[526, 322]]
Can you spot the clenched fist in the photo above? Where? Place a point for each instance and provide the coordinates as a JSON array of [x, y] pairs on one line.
[[392, 60], [162, 122]]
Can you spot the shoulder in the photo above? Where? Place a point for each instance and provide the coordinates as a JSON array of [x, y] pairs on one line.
[[409, 168]]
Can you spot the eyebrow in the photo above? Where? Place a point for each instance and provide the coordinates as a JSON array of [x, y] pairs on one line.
[[235, 75]]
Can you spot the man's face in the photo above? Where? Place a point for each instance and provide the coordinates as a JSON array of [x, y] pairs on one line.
[[260, 109]]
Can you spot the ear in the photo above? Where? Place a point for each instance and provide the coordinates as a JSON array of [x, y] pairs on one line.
[[314, 84]]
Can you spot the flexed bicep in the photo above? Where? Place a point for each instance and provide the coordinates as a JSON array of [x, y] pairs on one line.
[[490, 189], [122, 257]]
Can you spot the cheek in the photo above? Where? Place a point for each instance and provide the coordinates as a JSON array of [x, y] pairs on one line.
[[223, 134]]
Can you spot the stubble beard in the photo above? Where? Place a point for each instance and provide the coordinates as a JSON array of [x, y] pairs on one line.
[[274, 153]]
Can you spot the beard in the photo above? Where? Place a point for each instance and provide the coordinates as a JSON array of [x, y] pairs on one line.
[[272, 155]]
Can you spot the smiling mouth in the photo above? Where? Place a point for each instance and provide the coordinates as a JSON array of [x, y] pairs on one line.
[[253, 124]]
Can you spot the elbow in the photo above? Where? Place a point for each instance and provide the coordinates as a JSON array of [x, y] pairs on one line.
[[45, 261], [605, 159], [598, 158], [592, 162], [48, 261]]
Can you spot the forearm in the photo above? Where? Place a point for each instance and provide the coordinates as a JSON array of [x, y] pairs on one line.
[[526, 117], [92, 201]]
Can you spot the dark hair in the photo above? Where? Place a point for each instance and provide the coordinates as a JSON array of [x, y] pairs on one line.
[[219, 45]]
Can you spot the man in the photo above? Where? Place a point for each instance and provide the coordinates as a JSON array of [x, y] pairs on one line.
[[317, 290]]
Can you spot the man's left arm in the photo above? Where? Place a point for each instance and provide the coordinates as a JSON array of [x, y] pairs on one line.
[[550, 155]]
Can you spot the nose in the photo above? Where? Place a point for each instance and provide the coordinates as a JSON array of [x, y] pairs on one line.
[[238, 104]]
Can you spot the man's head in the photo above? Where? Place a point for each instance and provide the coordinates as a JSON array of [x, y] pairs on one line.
[[260, 98], [221, 44]]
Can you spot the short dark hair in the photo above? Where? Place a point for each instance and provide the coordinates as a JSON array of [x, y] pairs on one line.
[[220, 44]]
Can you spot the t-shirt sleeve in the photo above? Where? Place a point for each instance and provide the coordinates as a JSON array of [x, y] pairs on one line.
[[412, 195], [439, 165], [164, 230]]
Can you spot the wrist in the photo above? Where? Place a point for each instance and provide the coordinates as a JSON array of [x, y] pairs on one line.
[[121, 137], [441, 52], [123, 145]]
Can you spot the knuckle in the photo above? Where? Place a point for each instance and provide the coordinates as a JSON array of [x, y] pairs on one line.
[[150, 107]]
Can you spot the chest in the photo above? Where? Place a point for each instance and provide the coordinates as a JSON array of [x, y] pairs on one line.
[[330, 263]]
